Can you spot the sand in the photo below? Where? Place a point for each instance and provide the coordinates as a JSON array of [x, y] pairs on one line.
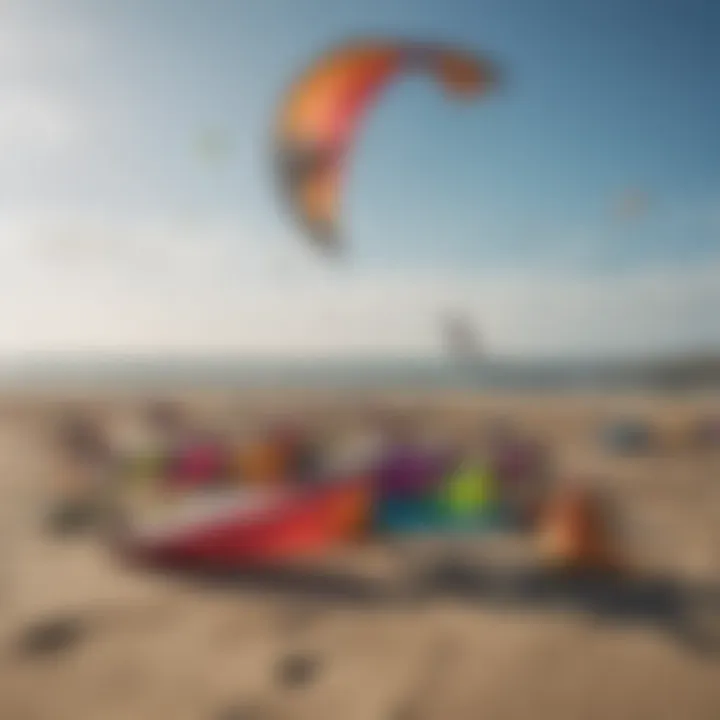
[[154, 648]]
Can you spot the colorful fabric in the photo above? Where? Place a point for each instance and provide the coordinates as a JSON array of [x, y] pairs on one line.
[[408, 471], [469, 491], [263, 463], [405, 514], [197, 464]]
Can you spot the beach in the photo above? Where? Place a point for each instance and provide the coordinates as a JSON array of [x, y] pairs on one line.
[[155, 647]]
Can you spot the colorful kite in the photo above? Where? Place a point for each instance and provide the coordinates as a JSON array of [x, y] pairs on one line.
[[320, 114], [633, 205], [460, 336]]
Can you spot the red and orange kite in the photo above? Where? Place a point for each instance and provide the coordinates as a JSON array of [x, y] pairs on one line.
[[321, 111]]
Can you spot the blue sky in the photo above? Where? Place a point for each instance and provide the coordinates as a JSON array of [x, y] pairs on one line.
[[115, 234]]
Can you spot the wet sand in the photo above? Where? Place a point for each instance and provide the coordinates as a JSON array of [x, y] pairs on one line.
[[152, 647]]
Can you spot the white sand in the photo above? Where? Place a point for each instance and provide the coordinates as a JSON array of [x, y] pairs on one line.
[[157, 649]]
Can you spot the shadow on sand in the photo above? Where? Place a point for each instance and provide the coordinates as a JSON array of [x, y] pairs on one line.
[[690, 613]]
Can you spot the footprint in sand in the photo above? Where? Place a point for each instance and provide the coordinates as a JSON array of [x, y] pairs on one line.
[[296, 670], [51, 636]]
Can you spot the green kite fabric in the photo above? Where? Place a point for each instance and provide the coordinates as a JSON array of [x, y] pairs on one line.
[[469, 491]]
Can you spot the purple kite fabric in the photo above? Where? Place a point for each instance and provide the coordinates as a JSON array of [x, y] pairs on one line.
[[408, 471]]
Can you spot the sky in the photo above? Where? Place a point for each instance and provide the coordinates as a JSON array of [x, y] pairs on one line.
[[116, 235]]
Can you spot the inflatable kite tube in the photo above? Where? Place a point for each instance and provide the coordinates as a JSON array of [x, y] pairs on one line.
[[404, 516], [257, 529]]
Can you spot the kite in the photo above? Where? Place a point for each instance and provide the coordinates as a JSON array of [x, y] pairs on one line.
[[320, 113], [461, 338], [633, 205]]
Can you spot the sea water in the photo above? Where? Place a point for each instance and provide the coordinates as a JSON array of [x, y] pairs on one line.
[[142, 373]]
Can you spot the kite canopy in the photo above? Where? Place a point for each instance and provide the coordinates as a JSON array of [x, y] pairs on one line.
[[469, 491], [460, 336], [319, 116], [634, 204], [576, 532], [408, 471], [255, 529]]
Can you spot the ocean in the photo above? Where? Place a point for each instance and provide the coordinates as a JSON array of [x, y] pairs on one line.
[[397, 373]]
